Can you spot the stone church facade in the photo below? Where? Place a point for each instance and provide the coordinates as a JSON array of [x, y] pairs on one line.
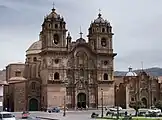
[[137, 87], [58, 68]]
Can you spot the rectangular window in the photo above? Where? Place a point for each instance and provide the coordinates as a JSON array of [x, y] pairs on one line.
[[17, 73], [33, 85]]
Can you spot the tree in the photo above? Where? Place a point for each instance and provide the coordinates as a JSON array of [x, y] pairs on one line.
[[136, 105], [158, 104]]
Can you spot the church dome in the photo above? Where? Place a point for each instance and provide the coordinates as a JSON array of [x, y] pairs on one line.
[[35, 48], [80, 40], [130, 73]]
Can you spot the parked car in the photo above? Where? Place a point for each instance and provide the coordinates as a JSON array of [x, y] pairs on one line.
[[7, 116], [156, 110], [55, 109], [25, 115], [115, 108]]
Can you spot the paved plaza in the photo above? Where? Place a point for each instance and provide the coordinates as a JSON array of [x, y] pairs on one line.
[[70, 115]]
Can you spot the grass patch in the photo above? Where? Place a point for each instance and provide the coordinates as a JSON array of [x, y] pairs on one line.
[[108, 118], [147, 118], [133, 118]]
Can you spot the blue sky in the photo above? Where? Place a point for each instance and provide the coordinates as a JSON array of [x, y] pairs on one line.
[[137, 27]]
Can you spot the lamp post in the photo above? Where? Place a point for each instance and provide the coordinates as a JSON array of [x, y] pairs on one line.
[[117, 103], [117, 112], [65, 83], [64, 113], [102, 102]]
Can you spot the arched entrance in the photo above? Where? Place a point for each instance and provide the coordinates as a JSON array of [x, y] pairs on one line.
[[81, 100], [144, 101], [33, 104]]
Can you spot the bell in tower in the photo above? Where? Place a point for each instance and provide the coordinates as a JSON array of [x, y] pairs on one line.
[[100, 35], [54, 31]]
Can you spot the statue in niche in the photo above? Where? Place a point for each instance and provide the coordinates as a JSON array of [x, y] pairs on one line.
[[49, 62], [80, 85], [44, 63]]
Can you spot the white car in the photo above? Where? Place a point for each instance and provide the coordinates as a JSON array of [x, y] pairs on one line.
[[156, 110], [115, 108], [7, 116]]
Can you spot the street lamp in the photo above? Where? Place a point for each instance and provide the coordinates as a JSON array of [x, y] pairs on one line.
[[102, 102], [65, 83], [64, 113], [117, 103]]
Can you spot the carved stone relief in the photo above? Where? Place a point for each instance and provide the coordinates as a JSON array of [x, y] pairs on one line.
[[68, 99], [92, 98]]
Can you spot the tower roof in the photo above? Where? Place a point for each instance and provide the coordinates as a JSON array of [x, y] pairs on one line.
[[99, 19], [53, 14]]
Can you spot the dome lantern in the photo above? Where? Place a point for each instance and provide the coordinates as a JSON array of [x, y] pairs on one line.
[[130, 73]]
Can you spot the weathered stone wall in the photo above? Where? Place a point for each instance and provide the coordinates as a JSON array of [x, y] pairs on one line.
[[108, 94], [55, 95], [44, 96], [20, 96]]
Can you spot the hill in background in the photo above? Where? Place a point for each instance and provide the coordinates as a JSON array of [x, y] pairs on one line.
[[155, 71]]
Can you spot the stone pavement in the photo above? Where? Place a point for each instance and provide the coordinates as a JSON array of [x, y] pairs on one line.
[[70, 115]]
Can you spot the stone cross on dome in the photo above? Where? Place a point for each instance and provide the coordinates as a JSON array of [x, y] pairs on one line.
[[99, 15], [53, 9], [81, 34]]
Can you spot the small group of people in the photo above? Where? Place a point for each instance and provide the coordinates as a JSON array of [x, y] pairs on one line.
[[81, 108]]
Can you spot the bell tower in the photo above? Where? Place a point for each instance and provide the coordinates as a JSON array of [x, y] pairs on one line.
[[100, 35], [53, 31]]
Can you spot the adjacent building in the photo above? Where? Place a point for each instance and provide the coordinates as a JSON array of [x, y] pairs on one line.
[[2, 83], [137, 87]]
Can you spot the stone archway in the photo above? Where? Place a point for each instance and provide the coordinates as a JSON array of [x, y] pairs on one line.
[[144, 101], [33, 104], [81, 100]]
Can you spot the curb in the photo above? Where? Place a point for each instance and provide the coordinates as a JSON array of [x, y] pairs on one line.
[[47, 118]]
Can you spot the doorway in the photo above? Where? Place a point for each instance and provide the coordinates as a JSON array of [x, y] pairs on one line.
[[144, 101], [33, 104], [81, 100]]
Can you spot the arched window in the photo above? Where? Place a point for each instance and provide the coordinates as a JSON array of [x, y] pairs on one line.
[[103, 42], [35, 59], [56, 25], [82, 59], [103, 29], [56, 38], [105, 76], [56, 75]]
